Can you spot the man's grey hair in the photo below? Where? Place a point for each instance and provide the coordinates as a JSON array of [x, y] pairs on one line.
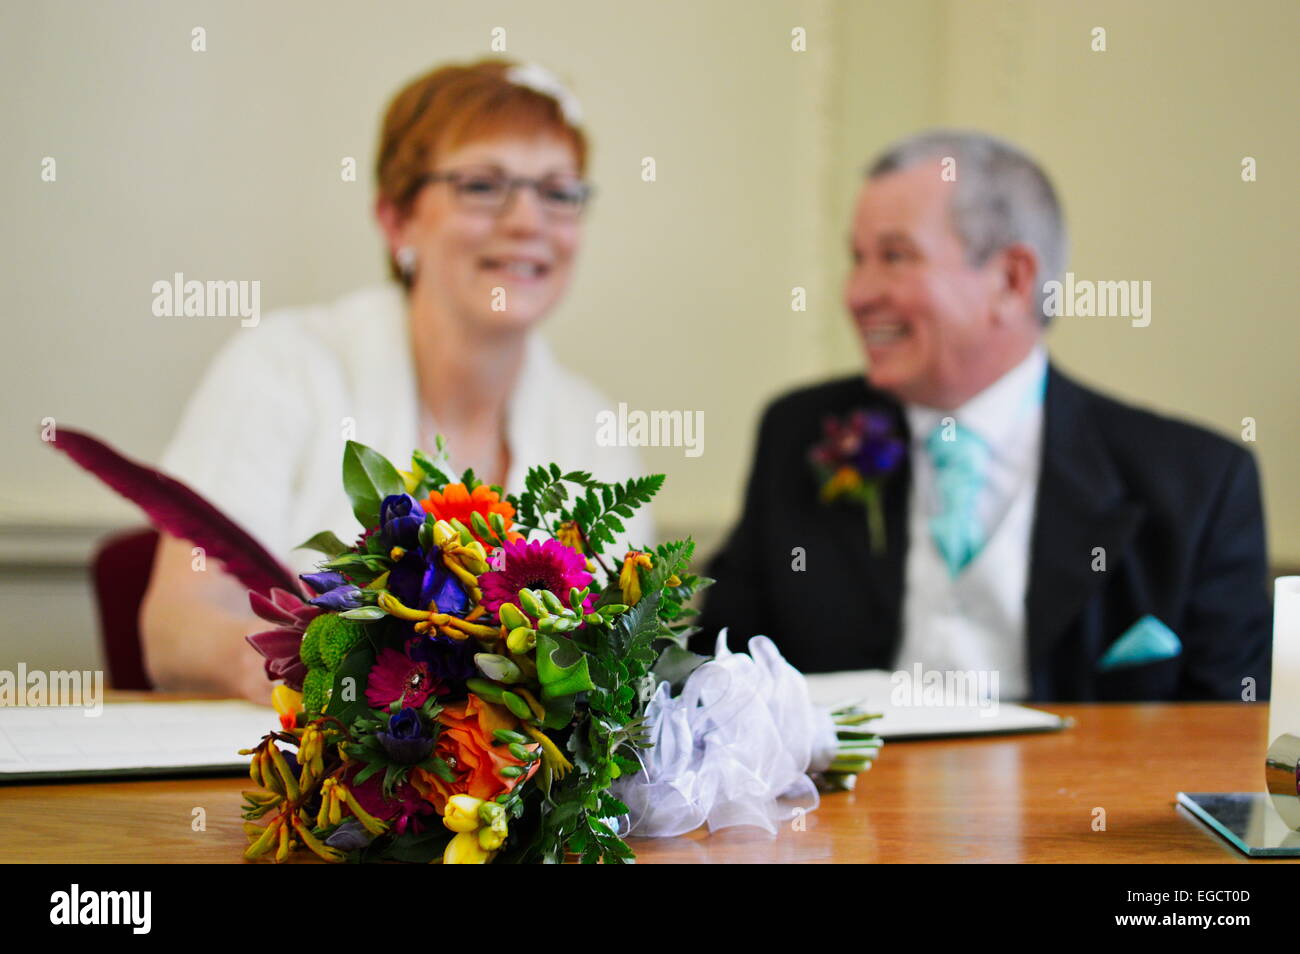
[[1001, 197]]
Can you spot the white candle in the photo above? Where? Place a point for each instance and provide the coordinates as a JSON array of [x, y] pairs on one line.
[[1284, 701], [1284, 705]]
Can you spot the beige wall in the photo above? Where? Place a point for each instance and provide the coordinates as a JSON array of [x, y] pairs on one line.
[[1146, 142], [225, 164]]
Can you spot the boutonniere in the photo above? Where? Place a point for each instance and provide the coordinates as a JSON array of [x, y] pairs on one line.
[[856, 455]]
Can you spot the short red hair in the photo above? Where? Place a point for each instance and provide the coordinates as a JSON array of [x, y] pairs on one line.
[[454, 105]]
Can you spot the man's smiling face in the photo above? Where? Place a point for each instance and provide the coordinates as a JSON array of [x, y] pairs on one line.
[[923, 313]]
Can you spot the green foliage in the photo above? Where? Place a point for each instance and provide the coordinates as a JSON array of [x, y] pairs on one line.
[[561, 667], [327, 543], [420, 849], [545, 493], [598, 508], [673, 559], [368, 478], [432, 476], [675, 664], [347, 700], [360, 568]]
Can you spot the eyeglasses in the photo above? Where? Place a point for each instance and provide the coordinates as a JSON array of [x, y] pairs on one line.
[[489, 190]]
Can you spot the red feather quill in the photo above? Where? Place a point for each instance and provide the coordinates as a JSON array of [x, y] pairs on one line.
[[173, 507]]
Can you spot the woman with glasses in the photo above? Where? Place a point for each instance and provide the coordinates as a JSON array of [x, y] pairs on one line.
[[480, 199]]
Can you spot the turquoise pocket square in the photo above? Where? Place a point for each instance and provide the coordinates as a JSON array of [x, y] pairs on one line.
[[1148, 640]]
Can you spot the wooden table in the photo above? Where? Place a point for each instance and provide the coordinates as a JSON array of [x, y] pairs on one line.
[[1021, 798]]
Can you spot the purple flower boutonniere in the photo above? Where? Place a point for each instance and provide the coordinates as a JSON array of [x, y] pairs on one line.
[[854, 458]]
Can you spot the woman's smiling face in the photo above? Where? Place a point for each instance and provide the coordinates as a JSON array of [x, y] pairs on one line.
[[503, 268]]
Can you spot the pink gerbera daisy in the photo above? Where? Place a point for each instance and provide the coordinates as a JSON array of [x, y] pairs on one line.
[[548, 565], [397, 676]]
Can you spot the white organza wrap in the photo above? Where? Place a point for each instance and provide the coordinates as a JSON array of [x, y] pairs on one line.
[[741, 735]]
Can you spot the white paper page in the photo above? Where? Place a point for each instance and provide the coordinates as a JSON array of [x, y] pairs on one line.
[[134, 738], [872, 689]]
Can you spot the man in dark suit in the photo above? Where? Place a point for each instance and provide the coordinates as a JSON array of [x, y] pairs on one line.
[[1079, 548]]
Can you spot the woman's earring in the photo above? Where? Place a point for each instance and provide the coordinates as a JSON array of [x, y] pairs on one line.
[[406, 260]]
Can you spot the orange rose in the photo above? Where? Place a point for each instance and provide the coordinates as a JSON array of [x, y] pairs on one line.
[[465, 744], [456, 502]]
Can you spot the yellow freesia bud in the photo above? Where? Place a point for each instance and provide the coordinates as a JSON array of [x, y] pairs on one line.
[[411, 478], [444, 533], [489, 839], [464, 849], [391, 605], [461, 814], [569, 534], [629, 581], [469, 556], [521, 639]]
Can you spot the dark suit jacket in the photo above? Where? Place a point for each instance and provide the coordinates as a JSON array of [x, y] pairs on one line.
[[1176, 509]]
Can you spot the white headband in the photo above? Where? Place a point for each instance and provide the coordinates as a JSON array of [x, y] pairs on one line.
[[542, 80]]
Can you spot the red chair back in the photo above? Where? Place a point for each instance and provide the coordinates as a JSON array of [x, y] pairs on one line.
[[121, 568]]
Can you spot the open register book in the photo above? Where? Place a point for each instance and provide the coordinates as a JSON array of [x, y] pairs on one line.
[[129, 739], [911, 710]]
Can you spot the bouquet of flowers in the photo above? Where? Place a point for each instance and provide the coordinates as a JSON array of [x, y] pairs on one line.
[[474, 679], [455, 690]]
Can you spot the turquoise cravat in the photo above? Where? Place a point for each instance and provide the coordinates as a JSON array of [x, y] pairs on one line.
[[959, 471]]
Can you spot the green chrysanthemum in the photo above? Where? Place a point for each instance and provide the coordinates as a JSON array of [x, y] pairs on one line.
[[316, 688], [328, 640], [309, 651]]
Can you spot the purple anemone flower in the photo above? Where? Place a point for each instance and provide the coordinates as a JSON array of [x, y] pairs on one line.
[[400, 519], [407, 740]]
